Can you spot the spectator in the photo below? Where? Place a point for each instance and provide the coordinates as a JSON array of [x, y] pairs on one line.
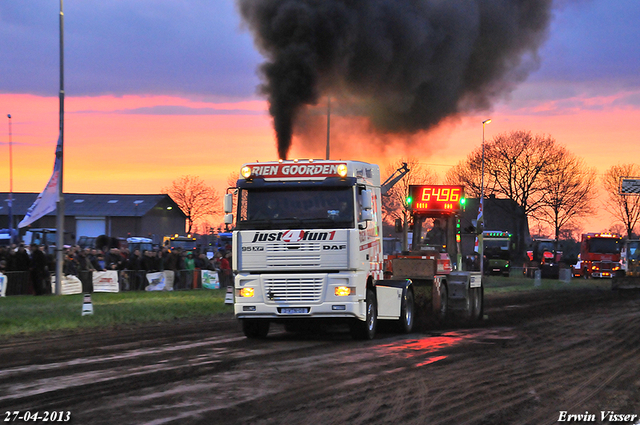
[[225, 271], [202, 262], [190, 266], [20, 261], [84, 263], [148, 262], [136, 279], [38, 271], [99, 263], [158, 261], [114, 259], [70, 266]]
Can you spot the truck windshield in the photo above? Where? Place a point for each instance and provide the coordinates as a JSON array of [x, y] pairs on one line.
[[634, 250], [321, 208], [188, 245], [43, 238], [604, 246], [496, 248]]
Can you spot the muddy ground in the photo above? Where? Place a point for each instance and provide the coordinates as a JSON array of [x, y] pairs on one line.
[[535, 356]]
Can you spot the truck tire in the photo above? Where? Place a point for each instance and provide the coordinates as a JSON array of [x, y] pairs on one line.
[[477, 304], [255, 328], [405, 323], [366, 330]]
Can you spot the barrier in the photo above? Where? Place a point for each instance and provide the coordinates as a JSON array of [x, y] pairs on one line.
[[69, 285], [19, 282], [564, 275]]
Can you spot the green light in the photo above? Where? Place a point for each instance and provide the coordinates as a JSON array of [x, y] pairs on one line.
[[462, 201], [409, 200]]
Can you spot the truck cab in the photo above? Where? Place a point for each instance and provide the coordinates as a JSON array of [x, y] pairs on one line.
[[307, 245], [497, 252], [185, 243], [600, 255]]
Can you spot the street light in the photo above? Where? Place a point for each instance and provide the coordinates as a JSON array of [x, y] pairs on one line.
[[485, 122], [328, 126], [481, 224]]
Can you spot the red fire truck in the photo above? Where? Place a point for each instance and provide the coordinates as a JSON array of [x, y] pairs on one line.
[[599, 255]]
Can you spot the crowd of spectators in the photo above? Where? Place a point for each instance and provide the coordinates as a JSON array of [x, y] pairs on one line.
[[41, 265]]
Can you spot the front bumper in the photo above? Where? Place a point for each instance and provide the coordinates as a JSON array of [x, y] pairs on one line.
[[295, 296]]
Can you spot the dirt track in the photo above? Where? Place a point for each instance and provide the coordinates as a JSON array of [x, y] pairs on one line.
[[537, 354]]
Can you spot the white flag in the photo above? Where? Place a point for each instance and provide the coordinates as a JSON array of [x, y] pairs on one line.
[[48, 199]]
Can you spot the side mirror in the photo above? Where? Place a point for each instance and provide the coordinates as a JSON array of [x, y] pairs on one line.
[[367, 215], [367, 199], [228, 203], [228, 219]]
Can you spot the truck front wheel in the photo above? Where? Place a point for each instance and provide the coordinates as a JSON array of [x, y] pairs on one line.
[[255, 328], [367, 329]]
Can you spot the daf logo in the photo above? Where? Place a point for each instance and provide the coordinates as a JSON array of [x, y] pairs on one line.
[[333, 247]]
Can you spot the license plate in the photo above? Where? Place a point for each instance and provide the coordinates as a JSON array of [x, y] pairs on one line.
[[298, 310]]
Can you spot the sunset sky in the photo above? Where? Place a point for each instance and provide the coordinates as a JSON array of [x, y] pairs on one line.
[[157, 89]]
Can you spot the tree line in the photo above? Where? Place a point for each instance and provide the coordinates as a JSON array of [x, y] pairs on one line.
[[553, 186]]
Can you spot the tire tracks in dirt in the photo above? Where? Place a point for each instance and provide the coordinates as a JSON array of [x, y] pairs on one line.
[[536, 355]]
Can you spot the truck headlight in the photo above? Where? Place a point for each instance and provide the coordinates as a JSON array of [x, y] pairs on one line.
[[344, 291], [246, 292]]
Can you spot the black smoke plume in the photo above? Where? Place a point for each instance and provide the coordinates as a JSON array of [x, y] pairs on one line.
[[404, 64]]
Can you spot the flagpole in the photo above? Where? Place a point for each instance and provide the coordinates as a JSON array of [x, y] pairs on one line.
[[60, 207], [11, 238]]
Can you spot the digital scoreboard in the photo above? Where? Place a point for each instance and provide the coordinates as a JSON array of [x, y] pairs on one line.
[[436, 198]]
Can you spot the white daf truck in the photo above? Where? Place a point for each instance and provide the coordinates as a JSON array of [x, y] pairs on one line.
[[307, 245]]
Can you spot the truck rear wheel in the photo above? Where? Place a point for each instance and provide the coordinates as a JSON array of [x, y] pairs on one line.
[[367, 329], [407, 312], [255, 328]]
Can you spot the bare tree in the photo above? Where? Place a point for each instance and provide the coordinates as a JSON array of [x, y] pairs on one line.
[[467, 173], [514, 168], [194, 197], [394, 204], [625, 208], [516, 164], [569, 191]]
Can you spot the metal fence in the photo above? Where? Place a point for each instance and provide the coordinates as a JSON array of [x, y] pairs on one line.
[[20, 283]]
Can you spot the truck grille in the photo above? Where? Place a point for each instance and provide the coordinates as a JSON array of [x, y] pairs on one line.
[[294, 261], [291, 289], [299, 256], [605, 265], [293, 247]]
